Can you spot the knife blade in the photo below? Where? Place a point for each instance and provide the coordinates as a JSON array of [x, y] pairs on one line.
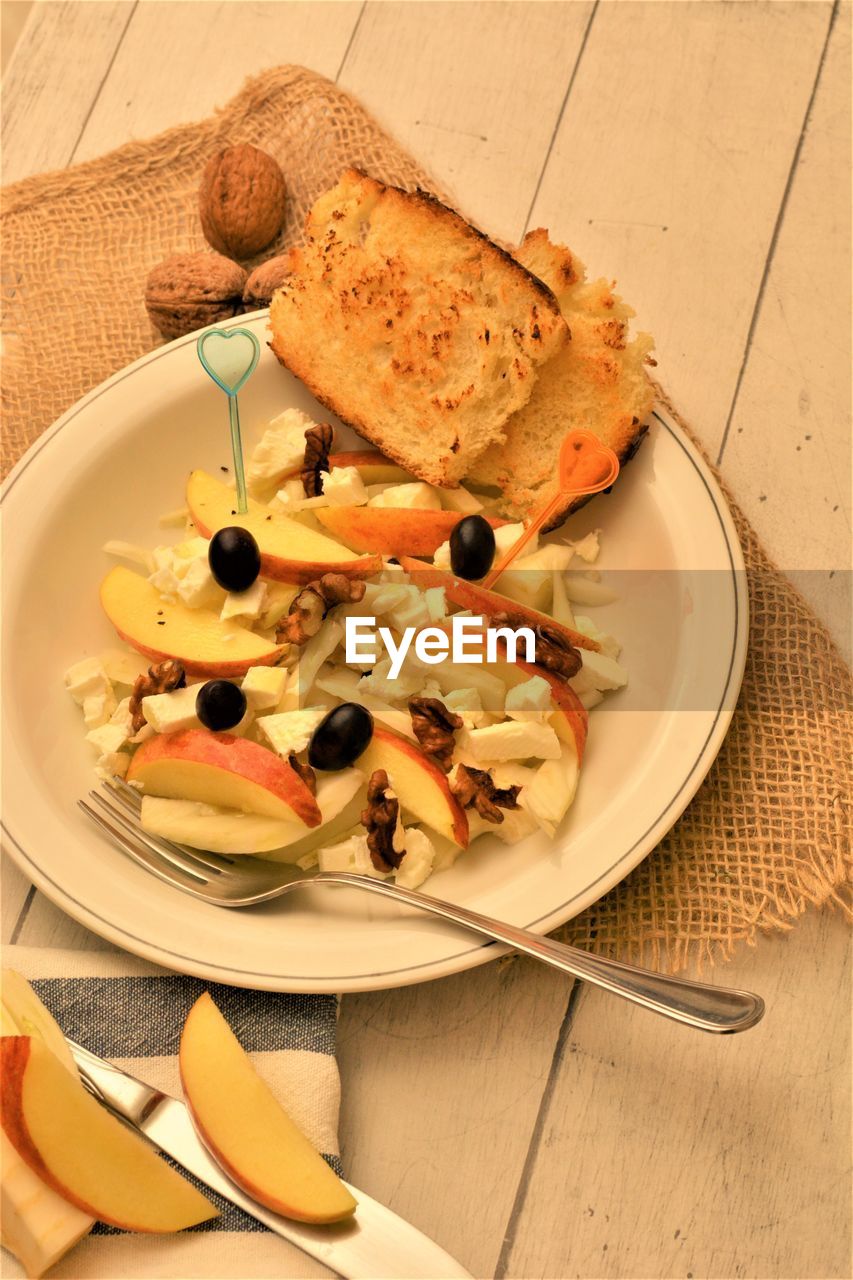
[[374, 1245]]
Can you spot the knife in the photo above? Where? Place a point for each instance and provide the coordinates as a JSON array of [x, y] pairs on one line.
[[374, 1245]]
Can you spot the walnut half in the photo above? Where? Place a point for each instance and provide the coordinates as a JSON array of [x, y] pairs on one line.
[[307, 611], [381, 819], [434, 726], [475, 788]]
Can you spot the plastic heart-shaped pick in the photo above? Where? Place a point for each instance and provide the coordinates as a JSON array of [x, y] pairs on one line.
[[229, 356], [586, 465]]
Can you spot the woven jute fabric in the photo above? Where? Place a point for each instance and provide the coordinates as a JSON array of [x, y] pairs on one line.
[[768, 832]]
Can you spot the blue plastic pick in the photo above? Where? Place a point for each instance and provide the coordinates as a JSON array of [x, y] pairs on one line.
[[229, 357]]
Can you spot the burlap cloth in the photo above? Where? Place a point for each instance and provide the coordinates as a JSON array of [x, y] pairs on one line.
[[767, 834]]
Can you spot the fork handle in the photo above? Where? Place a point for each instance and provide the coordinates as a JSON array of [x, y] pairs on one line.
[[696, 1004]]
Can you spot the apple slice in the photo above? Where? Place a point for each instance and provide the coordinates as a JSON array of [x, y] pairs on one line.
[[87, 1156], [468, 595], [220, 769], [394, 531], [419, 783], [204, 645], [373, 467], [290, 551], [248, 1131]]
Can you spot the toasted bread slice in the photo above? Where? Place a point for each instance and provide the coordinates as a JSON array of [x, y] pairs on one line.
[[597, 381], [411, 326]]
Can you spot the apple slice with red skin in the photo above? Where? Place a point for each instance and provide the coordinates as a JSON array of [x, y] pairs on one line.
[[373, 467], [197, 638], [290, 551], [87, 1156], [219, 768], [418, 783], [468, 595], [249, 1132], [393, 531]]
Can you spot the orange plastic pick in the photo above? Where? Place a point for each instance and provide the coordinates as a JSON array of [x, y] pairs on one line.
[[586, 466]]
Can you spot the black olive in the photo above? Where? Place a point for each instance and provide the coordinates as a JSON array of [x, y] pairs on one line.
[[472, 547], [234, 558], [220, 704], [340, 737]]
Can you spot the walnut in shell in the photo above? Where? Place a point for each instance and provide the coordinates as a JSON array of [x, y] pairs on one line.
[[241, 201], [191, 290], [264, 281]]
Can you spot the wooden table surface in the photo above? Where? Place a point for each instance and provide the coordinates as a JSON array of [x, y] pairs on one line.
[[698, 152]]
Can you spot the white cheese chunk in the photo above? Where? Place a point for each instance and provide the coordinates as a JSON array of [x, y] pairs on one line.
[[598, 672], [98, 708], [411, 611], [344, 487], [416, 496], [264, 687], [436, 603], [468, 704], [245, 604], [289, 732], [112, 764], [280, 449], [529, 701], [513, 740], [350, 855], [173, 711], [107, 738], [507, 536], [87, 679], [460, 500], [417, 860], [441, 559], [197, 587]]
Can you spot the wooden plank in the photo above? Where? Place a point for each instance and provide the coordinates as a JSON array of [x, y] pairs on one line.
[[795, 392], [669, 167], [441, 1090], [45, 925], [669, 1153], [181, 60], [15, 889], [52, 80], [474, 91]]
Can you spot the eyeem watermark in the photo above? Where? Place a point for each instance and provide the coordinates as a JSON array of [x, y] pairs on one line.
[[433, 645]]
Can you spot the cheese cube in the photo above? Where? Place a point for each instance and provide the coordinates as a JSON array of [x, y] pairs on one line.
[[112, 764], [245, 604], [436, 603], [173, 711], [417, 860], [552, 791], [411, 611], [598, 672], [349, 855], [417, 495], [289, 732], [197, 587], [280, 449], [441, 559], [529, 701], [468, 704], [507, 536], [513, 740], [87, 679], [98, 708], [107, 738], [460, 500], [264, 686], [344, 487]]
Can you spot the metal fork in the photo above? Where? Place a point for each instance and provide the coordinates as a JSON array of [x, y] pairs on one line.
[[243, 880]]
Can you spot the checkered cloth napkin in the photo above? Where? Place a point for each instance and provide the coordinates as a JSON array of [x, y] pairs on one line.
[[132, 1013]]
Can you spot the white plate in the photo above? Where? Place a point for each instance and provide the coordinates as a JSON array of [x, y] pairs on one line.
[[115, 462]]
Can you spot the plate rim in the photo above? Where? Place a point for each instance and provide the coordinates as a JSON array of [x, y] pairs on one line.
[[480, 952]]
